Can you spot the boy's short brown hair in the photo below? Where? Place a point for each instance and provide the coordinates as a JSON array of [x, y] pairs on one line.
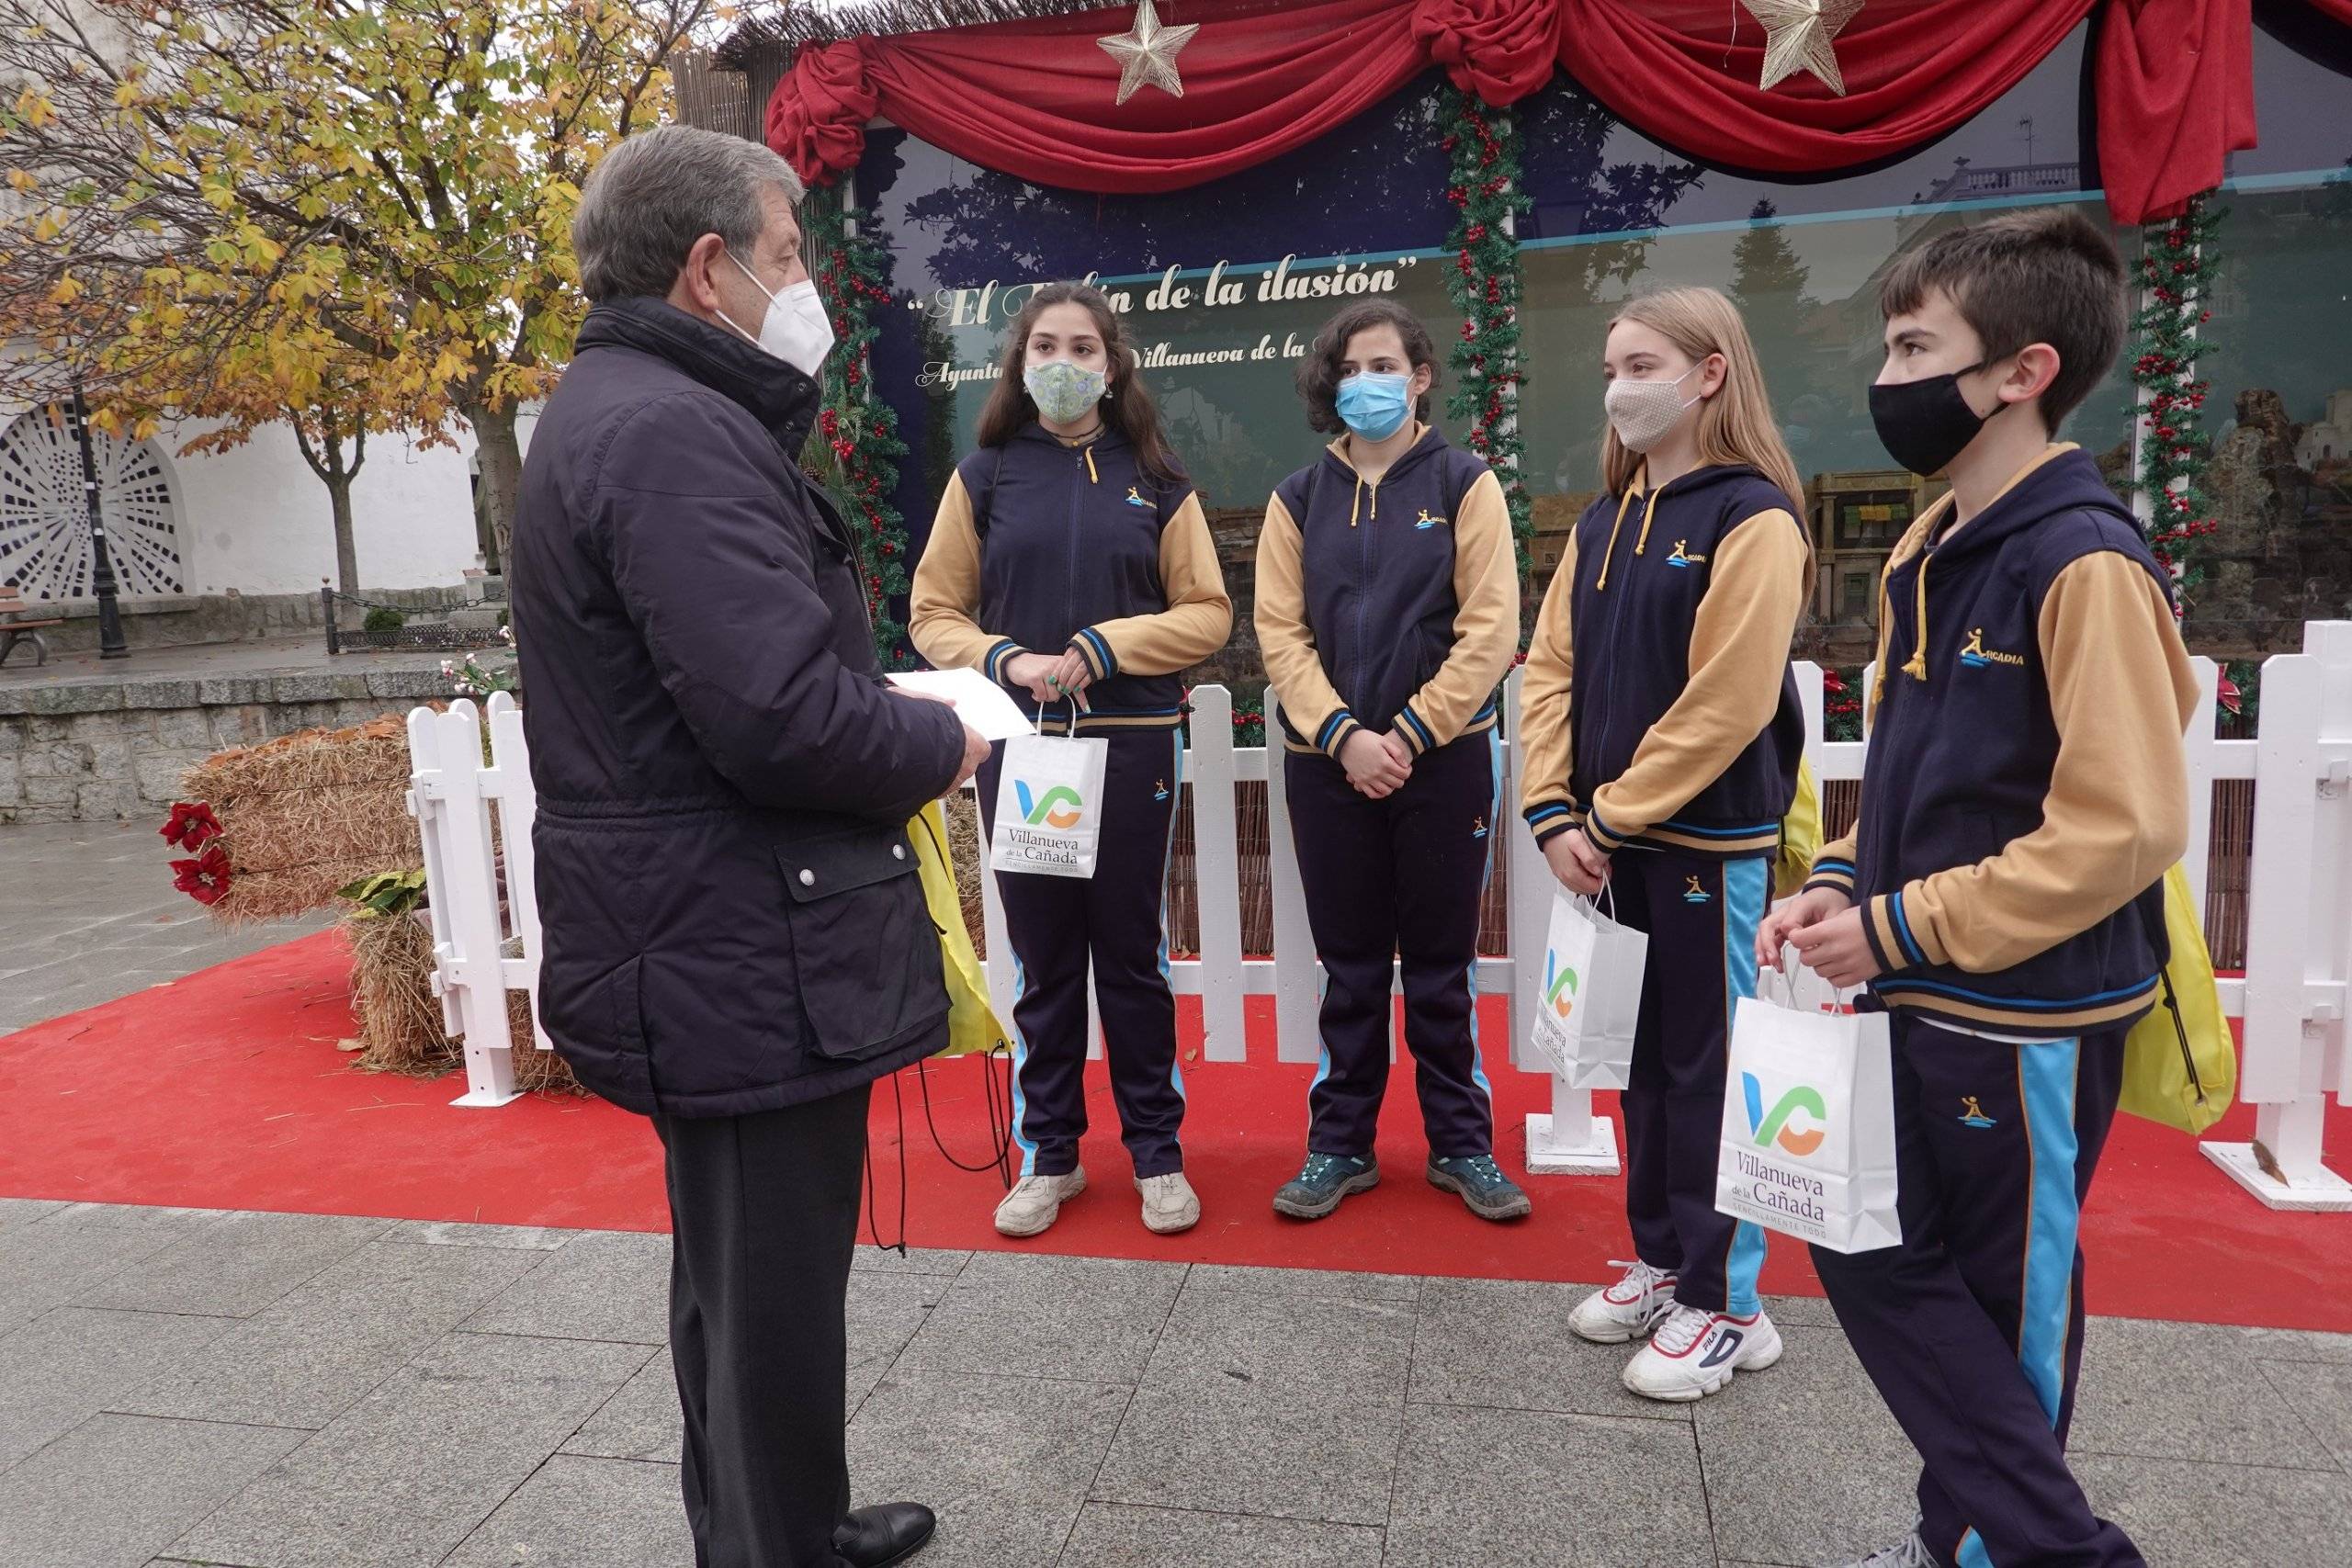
[[2044, 275]]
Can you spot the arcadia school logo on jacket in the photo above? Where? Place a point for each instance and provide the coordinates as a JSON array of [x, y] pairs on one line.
[[1976, 655], [1429, 519], [1777, 1128], [1045, 810]]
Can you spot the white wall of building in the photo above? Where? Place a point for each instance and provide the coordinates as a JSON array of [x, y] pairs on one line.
[[255, 519]]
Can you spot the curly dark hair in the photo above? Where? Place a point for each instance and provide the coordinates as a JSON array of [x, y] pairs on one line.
[[1319, 375]]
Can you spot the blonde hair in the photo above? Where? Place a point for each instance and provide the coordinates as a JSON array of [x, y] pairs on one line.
[[1735, 426]]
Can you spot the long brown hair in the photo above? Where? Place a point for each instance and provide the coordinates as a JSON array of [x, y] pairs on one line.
[[1735, 426], [1009, 409]]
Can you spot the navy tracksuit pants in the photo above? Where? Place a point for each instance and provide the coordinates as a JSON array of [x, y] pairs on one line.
[[1702, 917], [1972, 1327], [1116, 919], [1397, 882]]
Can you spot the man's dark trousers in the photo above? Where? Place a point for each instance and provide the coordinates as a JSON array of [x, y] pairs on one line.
[[763, 1216]]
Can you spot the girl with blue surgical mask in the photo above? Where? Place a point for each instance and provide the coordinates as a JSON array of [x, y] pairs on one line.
[[1387, 609]]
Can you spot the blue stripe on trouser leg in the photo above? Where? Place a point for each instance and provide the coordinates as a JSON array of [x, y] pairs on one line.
[[1494, 836], [1020, 1060], [1167, 869], [1747, 886], [2046, 1078]]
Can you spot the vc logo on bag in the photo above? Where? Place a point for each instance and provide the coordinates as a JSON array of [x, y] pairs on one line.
[[1777, 1128], [1559, 985], [1045, 810]]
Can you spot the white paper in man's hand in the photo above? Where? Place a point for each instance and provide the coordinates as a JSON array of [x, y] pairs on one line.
[[979, 702]]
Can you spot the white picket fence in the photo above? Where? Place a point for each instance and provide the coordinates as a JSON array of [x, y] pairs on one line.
[[2294, 998]]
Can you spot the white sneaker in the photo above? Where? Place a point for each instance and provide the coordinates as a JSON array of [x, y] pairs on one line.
[[1168, 1203], [1626, 1310], [1694, 1353], [1910, 1552], [1035, 1201]]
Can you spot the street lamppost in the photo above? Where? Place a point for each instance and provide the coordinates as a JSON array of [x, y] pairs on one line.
[[102, 583]]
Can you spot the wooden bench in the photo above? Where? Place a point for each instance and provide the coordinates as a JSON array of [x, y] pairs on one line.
[[15, 628]]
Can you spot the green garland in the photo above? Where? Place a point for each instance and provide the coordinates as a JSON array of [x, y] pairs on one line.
[[2179, 263], [1485, 187], [856, 447]]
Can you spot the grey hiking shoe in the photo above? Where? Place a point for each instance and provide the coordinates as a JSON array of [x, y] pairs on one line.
[[1322, 1182], [1481, 1185], [1910, 1552]]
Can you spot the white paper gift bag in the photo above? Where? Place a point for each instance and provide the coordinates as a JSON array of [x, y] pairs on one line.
[[1808, 1131], [1049, 805], [1587, 997]]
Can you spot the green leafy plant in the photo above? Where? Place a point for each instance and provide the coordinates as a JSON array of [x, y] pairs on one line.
[[385, 895], [383, 620]]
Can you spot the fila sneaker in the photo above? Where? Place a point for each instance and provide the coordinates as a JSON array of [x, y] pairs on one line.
[[1626, 1310], [1694, 1353], [1035, 1202]]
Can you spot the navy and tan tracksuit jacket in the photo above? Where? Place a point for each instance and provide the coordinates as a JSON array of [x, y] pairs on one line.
[[1041, 546], [2024, 790], [1659, 708], [1387, 603]]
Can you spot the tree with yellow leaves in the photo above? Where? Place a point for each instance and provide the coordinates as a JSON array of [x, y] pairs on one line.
[[358, 205]]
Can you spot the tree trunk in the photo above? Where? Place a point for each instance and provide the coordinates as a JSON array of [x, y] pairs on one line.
[[347, 554], [501, 455]]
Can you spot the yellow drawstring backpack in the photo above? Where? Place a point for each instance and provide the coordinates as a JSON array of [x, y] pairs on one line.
[[972, 1026], [1800, 836], [2180, 1067]]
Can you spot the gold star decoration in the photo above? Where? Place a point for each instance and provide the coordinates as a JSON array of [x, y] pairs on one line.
[[1797, 35], [1147, 52]]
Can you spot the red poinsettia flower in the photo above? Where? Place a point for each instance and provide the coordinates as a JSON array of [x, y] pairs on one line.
[[192, 826], [2232, 700], [205, 878], [1832, 682]]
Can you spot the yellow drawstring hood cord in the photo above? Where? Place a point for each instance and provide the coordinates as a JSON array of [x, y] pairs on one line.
[[1916, 666], [1649, 514], [1609, 553], [1091, 477]]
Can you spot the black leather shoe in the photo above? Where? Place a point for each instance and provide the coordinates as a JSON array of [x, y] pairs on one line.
[[884, 1534]]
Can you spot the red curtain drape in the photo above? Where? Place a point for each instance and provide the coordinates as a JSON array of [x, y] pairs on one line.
[[2339, 9], [1033, 98]]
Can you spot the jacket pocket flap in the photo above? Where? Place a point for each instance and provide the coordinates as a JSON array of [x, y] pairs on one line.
[[840, 863]]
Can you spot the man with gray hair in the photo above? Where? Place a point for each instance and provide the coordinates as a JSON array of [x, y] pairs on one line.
[[736, 942]]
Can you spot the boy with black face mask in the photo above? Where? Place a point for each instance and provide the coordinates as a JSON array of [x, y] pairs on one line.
[[2024, 794]]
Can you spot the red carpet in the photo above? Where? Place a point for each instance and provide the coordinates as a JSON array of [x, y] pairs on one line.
[[225, 1091]]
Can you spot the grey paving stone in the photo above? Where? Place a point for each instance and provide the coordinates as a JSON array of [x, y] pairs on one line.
[[584, 1513], [1254, 1448], [408, 1474], [1502, 1488], [2297, 1344], [2179, 1391], [1506, 1343], [315, 1352], [1805, 1311], [65, 1366], [1005, 1461], [236, 1265], [1090, 1318], [2222, 1515], [885, 1312], [1304, 1282], [441, 1233], [52, 1260], [2321, 1392], [1803, 1462], [119, 1488], [918, 1260], [639, 1422], [1111, 1536], [1310, 1347], [24, 1210], [603, 1285]]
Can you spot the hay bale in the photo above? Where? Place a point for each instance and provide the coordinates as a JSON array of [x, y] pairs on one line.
[[536, 1071], [969, 856], [307, 813], [393, 1001]]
